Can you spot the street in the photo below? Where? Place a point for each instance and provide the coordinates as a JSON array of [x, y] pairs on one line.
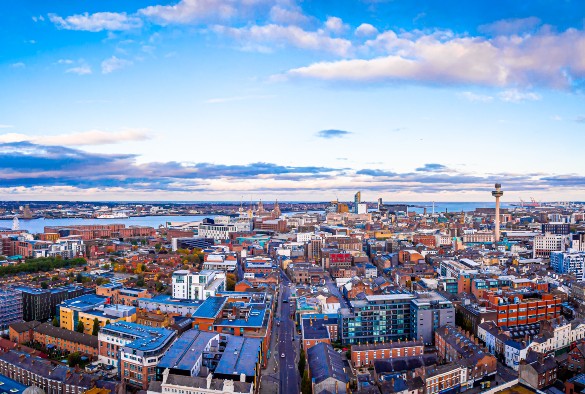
[[289, 376], [335, 291]]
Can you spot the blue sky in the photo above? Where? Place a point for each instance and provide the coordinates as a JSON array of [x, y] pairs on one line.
[[208, 99]]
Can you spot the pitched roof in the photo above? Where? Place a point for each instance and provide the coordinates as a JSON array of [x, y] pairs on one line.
[[325, 362]]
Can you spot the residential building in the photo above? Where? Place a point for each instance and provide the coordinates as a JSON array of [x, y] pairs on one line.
[[523, 307], [135, 349], [197, 286], [326, 370], [538, 370], [10, 307], [364, 355], [569, 263], [453, 344], [40, 304], [376, 318]]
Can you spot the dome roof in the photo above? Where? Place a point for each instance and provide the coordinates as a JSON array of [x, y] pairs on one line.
[[33, 390]]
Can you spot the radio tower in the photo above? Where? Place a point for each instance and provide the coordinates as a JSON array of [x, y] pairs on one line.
[[497, 194]]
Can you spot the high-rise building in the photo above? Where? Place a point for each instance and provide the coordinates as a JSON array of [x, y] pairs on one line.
[[497, 193], [357, 199]]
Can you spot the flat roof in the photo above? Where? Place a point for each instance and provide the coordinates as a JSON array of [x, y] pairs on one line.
[[186, 350], [389, 297], [210, 308], [240, 356], [147, 338], [84, 302]]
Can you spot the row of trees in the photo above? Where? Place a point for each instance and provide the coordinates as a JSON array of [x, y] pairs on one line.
[[81, 327], [44, 264]]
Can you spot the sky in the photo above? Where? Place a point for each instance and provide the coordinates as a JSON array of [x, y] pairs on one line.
[[408, 100]]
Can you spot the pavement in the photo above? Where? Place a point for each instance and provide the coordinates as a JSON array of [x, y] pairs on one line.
[[281, 374]]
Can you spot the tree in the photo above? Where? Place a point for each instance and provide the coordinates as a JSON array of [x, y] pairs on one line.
[[74, 359], [80, 327], [96, 327], [159, 286], [140, 281], [230, 282], [107, 322], [55, 278], [44, 285], [55, 322], [302, 361], [306, 386], [79, 278]]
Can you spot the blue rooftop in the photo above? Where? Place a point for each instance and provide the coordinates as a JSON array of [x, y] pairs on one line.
[[256, 318], [7, 384], [238, 355], [167, 300], [147, 338], [210, 308], [185, 352], [84, 302]]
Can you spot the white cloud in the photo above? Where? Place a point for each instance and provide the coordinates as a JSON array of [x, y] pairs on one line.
[[288, 16], [365, 30], [6, 126], [114, 63], [474, 97], [287, 35], [111, 21], [65, 61], [516, 96], [188, 11], [510, 26], [84, 138], [18, 65], [80, 70], [547, 59], [335, 25]]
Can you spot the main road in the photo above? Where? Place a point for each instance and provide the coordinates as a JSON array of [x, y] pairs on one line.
[[289, 376]]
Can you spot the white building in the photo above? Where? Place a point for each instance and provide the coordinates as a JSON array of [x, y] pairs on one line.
[[173, 384], [546, 243], [220, 262], [199, 286], [216, 231]]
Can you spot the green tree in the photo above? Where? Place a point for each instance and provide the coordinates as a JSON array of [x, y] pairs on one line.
[[159, 286], [96, 327], [230, 282], [107, 322], [80, 327], [74, 359], [302, 361], [44, 285], [306, 386], [140, 281], [55, 278], [79, 278], [55, 322]]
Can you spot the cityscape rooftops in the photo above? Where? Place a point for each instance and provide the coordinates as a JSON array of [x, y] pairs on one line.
[[184, 353], [145, 338], [84, 302], [210, 308]]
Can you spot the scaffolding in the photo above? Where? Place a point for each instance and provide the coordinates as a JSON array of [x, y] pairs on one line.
[[10, 307]]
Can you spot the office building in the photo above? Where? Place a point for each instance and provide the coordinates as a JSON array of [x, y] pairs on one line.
[[40, 304], [429, 311]]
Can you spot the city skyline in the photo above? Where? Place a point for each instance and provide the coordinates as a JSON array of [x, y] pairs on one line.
[[290, 100]]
